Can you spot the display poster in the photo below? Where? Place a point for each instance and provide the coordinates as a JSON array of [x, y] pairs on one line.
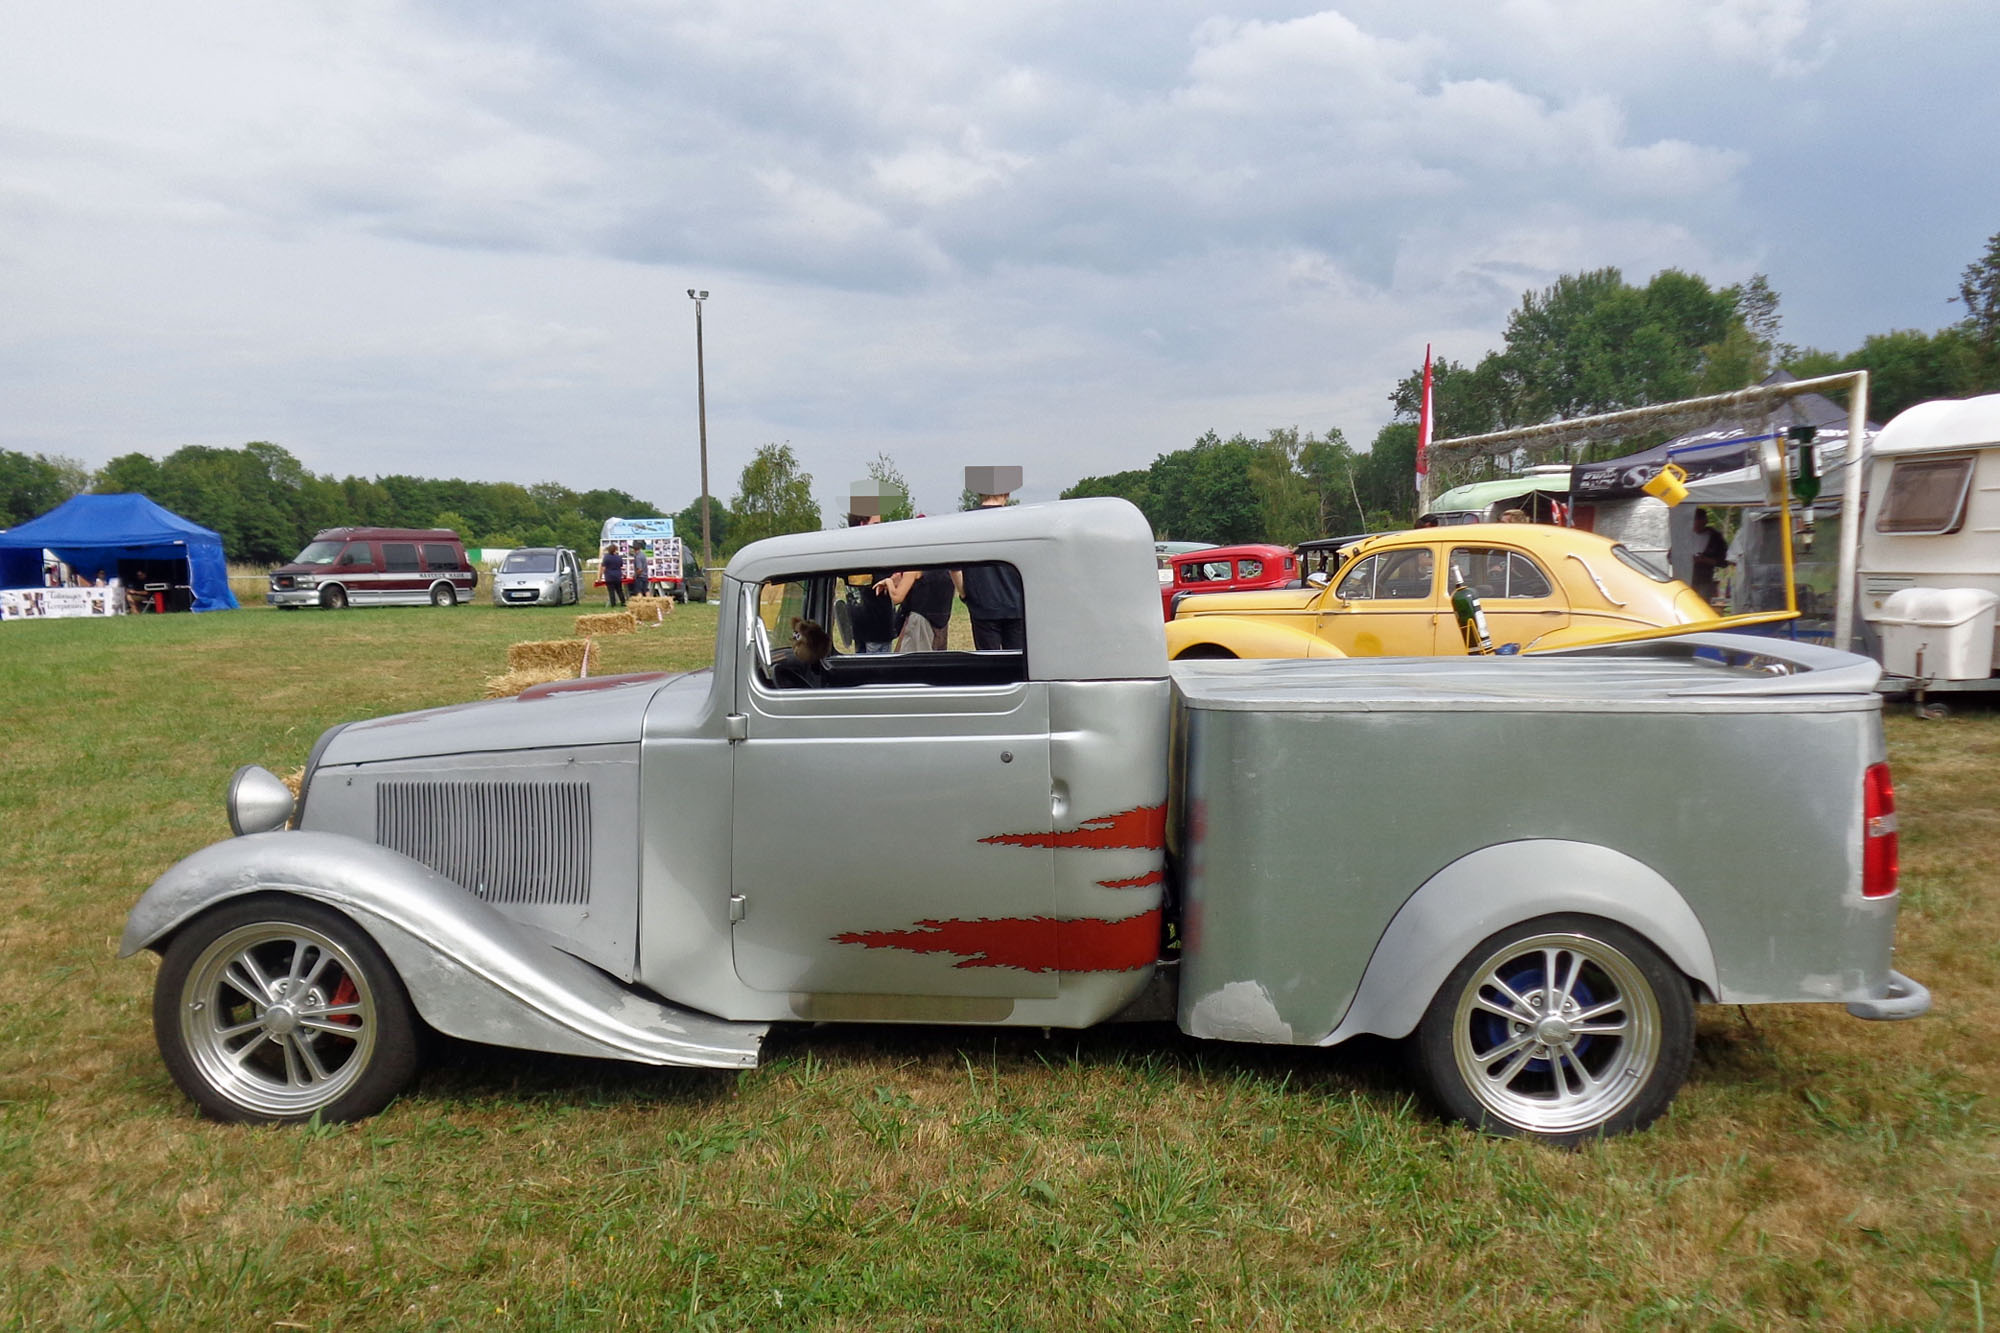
[[56, 603]]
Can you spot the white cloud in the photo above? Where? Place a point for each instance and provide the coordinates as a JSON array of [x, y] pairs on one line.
[[1082, 233]]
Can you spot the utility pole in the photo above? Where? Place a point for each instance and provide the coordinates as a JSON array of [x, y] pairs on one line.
[[701, 400]]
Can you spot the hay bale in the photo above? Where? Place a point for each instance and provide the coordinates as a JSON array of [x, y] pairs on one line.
[[610, 622], [511, 684], [650, 610], [567, 656]]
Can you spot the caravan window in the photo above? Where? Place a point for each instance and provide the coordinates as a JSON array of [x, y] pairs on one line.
[[1926, 496]]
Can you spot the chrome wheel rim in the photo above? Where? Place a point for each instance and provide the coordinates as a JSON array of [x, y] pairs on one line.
[[278, 1018], [1557, 1033]]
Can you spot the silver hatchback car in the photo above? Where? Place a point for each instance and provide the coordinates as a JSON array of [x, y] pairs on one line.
[[538, 576]]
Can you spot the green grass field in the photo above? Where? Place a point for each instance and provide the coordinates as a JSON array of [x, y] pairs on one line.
[[1817, 1172]]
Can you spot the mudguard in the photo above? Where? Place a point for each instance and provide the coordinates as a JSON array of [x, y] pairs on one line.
[[1500, 886], [1245, 638], [470, 971]]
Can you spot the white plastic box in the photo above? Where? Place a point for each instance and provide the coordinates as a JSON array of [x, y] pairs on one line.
[[1951, 629]]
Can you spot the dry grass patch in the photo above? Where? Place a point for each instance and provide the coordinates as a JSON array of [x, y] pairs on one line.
[[607, 622], [567, 657], [649, 610]]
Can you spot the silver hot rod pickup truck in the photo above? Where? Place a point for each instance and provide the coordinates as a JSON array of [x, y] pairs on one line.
[[1533, 868]]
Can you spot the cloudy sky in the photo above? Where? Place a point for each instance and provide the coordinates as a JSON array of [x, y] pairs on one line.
[[455, 239]]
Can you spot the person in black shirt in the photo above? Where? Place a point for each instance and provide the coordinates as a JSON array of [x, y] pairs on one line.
[[993, 597]]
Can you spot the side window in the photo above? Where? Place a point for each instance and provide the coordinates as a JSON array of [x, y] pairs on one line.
[[355, 553], [442, 555], [833, 630], [1405, 575], [399, 557], [1926, 496], [1498, 574], [1526, 579], [1359, 585], [1249, 568]]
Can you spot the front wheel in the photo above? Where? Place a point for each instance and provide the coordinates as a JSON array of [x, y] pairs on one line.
[[442, 594], [1562, 1029], [333, 599], [273, 1009], [1205, 652]]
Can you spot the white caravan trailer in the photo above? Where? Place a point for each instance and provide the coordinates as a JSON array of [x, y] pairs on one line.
[[1930, 544]]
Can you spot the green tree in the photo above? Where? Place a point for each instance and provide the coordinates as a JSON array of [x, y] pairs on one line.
[[1979, 292], [1135, 484], [33, 484], [1906, 367], [773, 497], [688, 523]]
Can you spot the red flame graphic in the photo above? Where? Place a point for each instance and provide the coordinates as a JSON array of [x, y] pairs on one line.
[[1143, 826], [1033, 944], [1136, 882]]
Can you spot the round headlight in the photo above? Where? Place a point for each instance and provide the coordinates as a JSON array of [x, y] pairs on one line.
[[259, 801]]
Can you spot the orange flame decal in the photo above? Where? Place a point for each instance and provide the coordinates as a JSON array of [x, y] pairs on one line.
[[1143, 827], [1033, 944]]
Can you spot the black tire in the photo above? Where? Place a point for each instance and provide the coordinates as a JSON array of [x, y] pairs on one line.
[[442, 594], [333, 599], [1501, 1050], [1204, 652], [283, 1055]]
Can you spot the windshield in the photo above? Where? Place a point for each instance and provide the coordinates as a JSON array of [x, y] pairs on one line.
[[530, 562], [1646, 565], [319, 553]]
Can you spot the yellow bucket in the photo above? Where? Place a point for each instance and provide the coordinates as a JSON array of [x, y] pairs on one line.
[[1668, 484]]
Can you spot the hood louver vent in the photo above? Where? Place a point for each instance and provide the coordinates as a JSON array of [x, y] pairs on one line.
[[505, 842]]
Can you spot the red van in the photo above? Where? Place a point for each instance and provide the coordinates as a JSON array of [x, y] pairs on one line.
[[376, 567], [1227, 569]]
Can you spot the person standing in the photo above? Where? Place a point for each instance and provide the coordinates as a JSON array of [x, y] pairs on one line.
[[1711, 556], [871, 610], [614, 577], [992, 592]]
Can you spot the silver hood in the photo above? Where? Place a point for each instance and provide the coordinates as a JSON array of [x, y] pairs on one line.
[[608, 710]]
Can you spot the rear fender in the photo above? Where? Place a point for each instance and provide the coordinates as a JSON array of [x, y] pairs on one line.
[[471, 972], [1501, 886], [1245, 638]]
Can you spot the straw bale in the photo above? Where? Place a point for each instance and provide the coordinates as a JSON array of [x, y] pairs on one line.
[[568, 656], [296, 779], [511, 684], [610, 622], [650, 610]]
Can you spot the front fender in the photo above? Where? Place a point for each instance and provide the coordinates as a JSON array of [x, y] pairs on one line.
[[471, 972], [1502, 885], [1245, 638]]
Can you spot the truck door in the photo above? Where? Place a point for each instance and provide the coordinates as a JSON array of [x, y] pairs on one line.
[[879, 813]]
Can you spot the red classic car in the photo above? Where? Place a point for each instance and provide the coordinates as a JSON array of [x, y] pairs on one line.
[[1226, 569]]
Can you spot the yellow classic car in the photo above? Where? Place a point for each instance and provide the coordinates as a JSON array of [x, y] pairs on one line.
[[1540, 587]]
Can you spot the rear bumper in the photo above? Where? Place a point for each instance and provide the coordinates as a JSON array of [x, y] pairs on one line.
[[1900, 998]]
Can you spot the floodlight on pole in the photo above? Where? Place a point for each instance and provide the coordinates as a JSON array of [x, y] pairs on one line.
[[701, 401]]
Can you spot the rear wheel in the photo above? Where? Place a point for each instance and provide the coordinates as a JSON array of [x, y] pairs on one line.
[[1562, 1029], [1204, 652], [442, 594], [274, 1009], [333, 599]]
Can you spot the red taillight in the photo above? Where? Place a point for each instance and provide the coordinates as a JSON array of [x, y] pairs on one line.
[[1878, 833]]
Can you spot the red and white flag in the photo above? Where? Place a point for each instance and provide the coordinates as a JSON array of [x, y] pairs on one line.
[[1424, 426]]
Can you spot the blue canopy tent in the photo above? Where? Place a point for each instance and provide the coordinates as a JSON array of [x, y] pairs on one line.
[[92, 532]]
